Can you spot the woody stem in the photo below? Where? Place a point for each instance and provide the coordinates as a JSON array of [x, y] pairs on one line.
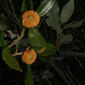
[[17, 53], [17, 40]]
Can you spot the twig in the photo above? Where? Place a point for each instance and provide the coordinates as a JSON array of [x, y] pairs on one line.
[[72, 54], [11, 34], [60, 72], [31, 4], [17, 53], [41, 21], [63, 55], [72, 76], [81, 65], [17, 40]]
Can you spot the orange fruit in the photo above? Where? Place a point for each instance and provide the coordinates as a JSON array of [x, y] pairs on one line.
[[30, 19], [29, 56]]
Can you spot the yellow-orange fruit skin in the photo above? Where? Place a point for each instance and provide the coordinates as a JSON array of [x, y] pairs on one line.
[[30, 23], [26, 56]]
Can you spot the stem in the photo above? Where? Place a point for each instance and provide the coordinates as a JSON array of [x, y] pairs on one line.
[[41, 22], [17, 40], [31, 4], [58, 42], [28, 79], [17, 54]]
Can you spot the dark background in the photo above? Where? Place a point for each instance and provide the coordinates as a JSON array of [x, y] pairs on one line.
[[42, 68]]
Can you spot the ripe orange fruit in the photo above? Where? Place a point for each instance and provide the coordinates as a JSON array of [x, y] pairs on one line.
[[30, 19], [29, 56]]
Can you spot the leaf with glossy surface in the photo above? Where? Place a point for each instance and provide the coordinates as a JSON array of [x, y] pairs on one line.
[[53, 17], [66, 39], [67, 11], [45, 6], [10, 60]]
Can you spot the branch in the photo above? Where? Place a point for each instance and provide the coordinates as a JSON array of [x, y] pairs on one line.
[[17, 40], [72, 54], [17, 53], [63, 55]]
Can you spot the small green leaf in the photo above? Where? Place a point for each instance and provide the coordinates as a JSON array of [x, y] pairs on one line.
[[74, 24], [10, 60], [2, 40], [45, 6], [67, 11], [28, 79], [49, 50], [66, 39]]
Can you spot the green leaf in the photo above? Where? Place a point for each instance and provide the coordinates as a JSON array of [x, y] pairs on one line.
[[67, 11], [24, 6], [10, 60], [74, 24], [28, 79], [45, 6], [2, 40], [53, 17], [66, 39], [49, 50], [36, 39]]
